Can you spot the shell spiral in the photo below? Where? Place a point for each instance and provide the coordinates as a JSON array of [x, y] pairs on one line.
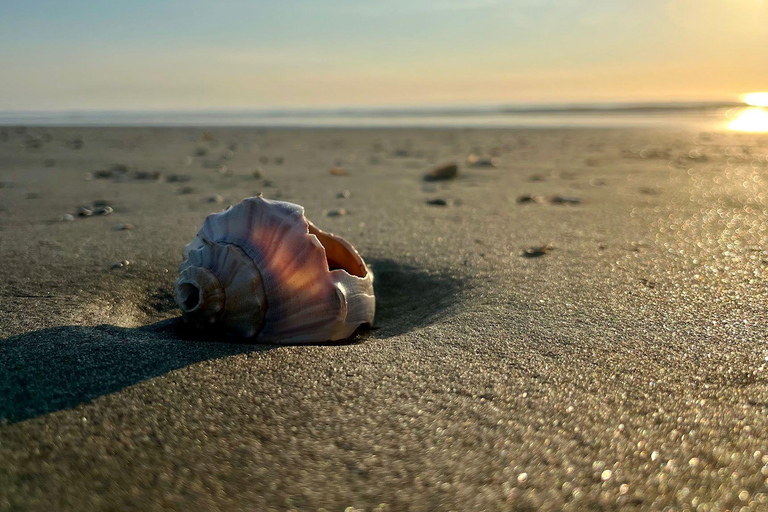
[[261, 269]]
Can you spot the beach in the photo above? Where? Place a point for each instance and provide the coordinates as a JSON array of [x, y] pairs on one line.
[[619, 363]]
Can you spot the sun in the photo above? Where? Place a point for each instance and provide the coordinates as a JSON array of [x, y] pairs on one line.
[[756, 99]]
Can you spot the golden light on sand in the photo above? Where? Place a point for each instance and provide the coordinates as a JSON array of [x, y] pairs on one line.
[[752, 119], [756, 99]]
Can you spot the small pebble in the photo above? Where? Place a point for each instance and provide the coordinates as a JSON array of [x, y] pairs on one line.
[[146, 175], [124, 227], [228, 155], [104, 210], [216, 198], [343, 194], [120, 264], [338, 171], [535, 252], [177, 178], [443, 172], [565, 200], [84, 211], [527, 198], [438, 202], [104, 173], [337, 213], [67, 217]]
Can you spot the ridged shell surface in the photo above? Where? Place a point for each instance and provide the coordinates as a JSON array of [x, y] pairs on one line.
[[305, 285]]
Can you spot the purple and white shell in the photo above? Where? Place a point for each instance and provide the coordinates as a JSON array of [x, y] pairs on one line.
[[261, 269]]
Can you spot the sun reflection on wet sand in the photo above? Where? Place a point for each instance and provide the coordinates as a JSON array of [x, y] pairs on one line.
[[752, 119], [756, 99]]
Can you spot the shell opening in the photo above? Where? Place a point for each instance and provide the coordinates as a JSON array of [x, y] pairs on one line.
[[189, 296], [339, 254]]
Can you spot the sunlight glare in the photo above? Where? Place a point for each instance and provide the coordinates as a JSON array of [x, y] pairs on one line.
[[756, 99], [752, 119]]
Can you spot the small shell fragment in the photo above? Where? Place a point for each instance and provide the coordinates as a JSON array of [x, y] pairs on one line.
[[535, 252], [120, 264], [478, 161]]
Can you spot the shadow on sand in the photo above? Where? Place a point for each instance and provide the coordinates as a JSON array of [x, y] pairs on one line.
[[407, 297], [59, 368]]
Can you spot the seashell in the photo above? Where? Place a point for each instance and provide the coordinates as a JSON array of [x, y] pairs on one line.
[[261, 269]]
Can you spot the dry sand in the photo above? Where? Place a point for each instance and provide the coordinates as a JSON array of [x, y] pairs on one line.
[[625, 367]]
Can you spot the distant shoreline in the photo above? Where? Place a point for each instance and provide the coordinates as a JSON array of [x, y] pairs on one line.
[[504, 116]]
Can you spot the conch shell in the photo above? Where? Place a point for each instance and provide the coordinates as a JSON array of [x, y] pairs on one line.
[[261, 269]]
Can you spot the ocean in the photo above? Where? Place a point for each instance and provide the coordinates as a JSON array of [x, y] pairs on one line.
[[695, 116]]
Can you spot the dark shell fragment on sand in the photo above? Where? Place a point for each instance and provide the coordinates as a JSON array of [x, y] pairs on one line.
[[447, 171], [558, 199]]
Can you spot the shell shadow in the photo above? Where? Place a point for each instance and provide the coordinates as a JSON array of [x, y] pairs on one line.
[[408, 297], [62, 367], [59, 368]]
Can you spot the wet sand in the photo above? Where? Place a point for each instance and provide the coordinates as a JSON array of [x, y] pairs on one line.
[[624, 366]]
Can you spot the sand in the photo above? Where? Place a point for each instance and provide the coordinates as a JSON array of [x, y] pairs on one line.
[[624, 367]]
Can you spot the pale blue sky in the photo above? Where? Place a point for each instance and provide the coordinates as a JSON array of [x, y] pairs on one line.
[[321, 53]]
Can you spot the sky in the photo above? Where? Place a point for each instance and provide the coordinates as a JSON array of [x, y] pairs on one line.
[[238, 54]]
